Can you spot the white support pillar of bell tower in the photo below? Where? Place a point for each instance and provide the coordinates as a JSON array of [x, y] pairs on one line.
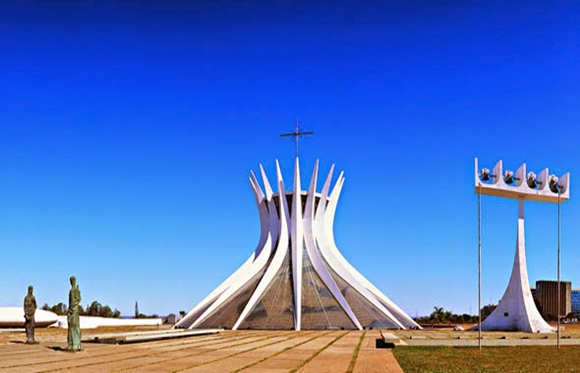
[[517, 309]]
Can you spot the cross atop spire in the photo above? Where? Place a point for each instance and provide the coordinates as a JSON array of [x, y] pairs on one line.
[[298, 132]]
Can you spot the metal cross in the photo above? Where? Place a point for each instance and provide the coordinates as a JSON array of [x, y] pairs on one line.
[[296, 135]]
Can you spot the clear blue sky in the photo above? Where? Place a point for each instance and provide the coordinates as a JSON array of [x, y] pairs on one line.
[[127, 133]]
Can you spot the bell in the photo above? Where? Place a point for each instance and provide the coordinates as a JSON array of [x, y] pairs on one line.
[[509, 177], [484, 174], [532, 182], [554, 187]]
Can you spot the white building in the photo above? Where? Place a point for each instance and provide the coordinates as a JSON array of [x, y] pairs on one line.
[[296, 278]]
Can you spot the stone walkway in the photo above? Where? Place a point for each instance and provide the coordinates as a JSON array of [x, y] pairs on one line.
[[490, 342], [229, 351], [496, 338]]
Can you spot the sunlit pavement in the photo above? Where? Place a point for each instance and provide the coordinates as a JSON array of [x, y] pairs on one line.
[[229, 351]]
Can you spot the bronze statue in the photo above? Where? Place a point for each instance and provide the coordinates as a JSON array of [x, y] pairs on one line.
[[74, 326], [29, 310]]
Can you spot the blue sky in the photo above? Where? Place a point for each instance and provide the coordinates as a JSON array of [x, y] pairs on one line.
[[127, 133]]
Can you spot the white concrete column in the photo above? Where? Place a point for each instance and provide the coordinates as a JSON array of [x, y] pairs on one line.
[[516, 309]]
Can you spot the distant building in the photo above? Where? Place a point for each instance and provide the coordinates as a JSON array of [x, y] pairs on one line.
[[546, 297], [576, 302], [172, 319]]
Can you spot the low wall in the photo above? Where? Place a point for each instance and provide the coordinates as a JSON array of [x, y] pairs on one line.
[[13, 317], [92, 322]]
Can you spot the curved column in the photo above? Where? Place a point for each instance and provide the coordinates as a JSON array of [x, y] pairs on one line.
[[392, 308], [297, 243], [319, 215], [314, 253], [256, 263], [329, 215], [325, 240], [273, 213], [263, 212], [279, 253], [217, 297]]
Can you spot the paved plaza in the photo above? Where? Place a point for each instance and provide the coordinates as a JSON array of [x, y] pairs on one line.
[[228, 351]]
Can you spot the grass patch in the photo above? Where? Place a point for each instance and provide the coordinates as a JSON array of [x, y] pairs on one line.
[[520, 359]]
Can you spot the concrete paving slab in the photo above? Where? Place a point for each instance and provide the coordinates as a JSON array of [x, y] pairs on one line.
[[373, 360], [336, 358], [293, 358], [253, 356], [119, 365], [197, 358]]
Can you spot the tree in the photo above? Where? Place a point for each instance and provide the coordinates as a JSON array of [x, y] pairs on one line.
[[97, 309], [438, 314], [106, 311], [60, 309], [442, 316], [447, 316], [93, 309], [487, 310]]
